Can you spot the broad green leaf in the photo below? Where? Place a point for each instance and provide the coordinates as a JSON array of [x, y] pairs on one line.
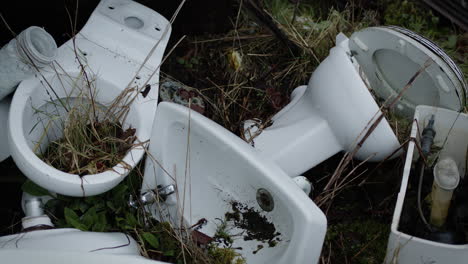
[[101, 222], [83, 207], [131, 220], [89, 218], [110, 205], [151, 239], [72, 219]]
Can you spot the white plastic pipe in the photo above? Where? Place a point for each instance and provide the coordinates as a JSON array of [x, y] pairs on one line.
[[32, 48]]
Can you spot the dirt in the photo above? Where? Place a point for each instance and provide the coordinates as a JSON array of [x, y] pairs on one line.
[[256, 226]]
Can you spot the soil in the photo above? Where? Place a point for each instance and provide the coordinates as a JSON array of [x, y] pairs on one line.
[[256, 226]]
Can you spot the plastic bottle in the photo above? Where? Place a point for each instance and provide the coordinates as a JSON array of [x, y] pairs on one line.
[[446, 179], [32, 48]]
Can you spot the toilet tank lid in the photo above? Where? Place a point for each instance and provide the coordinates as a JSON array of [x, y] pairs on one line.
[[389, 57]]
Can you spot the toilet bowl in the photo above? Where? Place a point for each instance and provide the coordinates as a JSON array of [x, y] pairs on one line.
[[218, 178], [68, 245], [338, 107], [120, 46]]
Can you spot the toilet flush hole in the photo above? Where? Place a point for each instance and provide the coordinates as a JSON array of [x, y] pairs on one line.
[[157, 28], [111, 7], [134, 22]]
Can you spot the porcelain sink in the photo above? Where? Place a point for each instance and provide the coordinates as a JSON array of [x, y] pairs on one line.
[[222, 182]]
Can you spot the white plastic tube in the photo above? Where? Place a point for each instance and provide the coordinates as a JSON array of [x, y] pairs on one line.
[[32, 48], [446, 179]]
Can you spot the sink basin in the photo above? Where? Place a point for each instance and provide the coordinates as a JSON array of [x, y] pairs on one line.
[[222, 182]]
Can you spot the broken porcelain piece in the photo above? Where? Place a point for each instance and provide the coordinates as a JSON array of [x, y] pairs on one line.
[[217, 175], [451, 136], [106, 45], [337, 109]]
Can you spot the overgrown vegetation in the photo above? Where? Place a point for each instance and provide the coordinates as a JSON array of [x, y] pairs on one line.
[[88, 146], [91, 137], [249, 72]]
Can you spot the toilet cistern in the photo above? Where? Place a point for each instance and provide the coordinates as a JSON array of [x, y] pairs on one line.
[[337, 109]]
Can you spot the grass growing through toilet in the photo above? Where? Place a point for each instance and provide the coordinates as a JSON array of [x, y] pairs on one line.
[[88, 145], [93, 138]]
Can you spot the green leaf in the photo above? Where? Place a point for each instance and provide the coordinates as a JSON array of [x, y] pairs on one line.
[[180, 61], [101, 222], [452, 42], [89, 218], [110, 205], [151, 239], [83, 207], [131, 220], [34, 189], [72, 219], [169, 253]]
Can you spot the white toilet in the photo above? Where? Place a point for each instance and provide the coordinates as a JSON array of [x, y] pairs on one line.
[[113, 45], [337, 108], [68, 245]]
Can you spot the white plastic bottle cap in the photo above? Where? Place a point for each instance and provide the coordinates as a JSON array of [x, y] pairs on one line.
[[446, 174]]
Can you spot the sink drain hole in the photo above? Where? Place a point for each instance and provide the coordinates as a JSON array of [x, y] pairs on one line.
[[265, 200]]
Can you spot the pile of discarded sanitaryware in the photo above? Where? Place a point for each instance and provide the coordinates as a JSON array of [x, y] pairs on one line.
[[331, 114]]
